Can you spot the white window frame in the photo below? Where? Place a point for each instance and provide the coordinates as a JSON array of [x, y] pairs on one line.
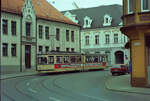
[[143, 7], [129, 12]]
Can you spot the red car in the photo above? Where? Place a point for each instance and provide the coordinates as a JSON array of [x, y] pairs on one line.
[[119, 69]]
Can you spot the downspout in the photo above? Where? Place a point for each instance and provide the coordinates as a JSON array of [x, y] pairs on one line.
[[80, 39], [36, 44], [21, 45], [0, 43]]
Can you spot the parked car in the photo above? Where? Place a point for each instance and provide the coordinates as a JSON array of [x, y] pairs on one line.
[[119, 69]]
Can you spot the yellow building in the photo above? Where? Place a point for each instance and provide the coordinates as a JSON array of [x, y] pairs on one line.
[[136, 25]]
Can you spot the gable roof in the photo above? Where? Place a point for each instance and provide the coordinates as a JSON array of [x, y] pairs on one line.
[[97, 15], [41, 8]]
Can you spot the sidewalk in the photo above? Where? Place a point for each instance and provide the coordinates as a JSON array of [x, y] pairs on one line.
[[122, 84], [13, 75]]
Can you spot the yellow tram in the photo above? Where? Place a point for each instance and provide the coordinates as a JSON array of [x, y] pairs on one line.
[[69, 61]]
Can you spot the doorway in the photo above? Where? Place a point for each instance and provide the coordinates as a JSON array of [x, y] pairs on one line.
[[148, 57], [119, 57], [27, 56]]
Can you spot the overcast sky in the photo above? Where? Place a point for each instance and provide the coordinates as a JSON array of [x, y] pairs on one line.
[[62, 5]]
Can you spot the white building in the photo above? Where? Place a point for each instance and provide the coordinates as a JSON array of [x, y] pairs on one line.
[[32, 26], [100, 32]]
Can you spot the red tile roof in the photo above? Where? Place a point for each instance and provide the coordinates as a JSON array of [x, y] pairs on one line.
[[42, 10]]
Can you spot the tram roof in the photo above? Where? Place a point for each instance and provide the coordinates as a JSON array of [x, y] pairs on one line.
[[67, 53], [61, 53]]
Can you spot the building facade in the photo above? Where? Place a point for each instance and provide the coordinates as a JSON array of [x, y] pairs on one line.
[[136, 25], [100, 32], [30, 27]]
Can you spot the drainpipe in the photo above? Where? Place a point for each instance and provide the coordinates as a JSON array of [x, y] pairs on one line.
[[21, 45]]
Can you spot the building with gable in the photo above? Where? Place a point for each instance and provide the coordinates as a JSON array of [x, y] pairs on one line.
[[100, 32], [33, 26]]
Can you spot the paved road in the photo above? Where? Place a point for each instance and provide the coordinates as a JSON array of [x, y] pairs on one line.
[[85, 86]]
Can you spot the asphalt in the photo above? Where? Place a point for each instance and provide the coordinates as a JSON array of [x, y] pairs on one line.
[[118, 83]]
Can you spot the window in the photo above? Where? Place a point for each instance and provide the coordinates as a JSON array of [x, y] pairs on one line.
[[46, 49], [40, 49], [107, 38], [124, 39], [86, 40], [145, 4], [47, 32], [97, 39], [57, 34], [28, 25], [5, 27], [5, 49], [40, 31], [13, 27], [57, 49], [67, 49], [13, 49], [130, 6], [87, 22], [72, 49], [51, 60], [115, 38], [67, 35], [72, 36]]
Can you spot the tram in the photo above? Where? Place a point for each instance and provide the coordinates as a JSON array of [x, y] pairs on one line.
[[70, 61]]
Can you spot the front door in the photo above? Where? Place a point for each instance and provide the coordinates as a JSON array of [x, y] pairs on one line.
[[28, 56], [119, 57], [148, 65], [148, 57]]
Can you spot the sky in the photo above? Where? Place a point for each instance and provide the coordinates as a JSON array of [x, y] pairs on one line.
[[63, 5]]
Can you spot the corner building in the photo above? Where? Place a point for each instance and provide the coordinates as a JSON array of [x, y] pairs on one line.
[[136, 25], [100, 32], [29, 27]]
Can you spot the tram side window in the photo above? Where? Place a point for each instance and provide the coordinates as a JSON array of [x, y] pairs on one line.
[[51, 59], [42, 60], [66, 59], [78, 59], [59, 59], [73, 60], [95, 59]]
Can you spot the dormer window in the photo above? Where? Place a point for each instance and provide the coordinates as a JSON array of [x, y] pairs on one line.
[[145, 5], [71, 17], [87, 22], [107, 20]]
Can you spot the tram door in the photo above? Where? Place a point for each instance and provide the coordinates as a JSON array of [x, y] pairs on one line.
[[28, 56]]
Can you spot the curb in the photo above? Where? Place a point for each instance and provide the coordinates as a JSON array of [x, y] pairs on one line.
[[127, 89], [9, 76]]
